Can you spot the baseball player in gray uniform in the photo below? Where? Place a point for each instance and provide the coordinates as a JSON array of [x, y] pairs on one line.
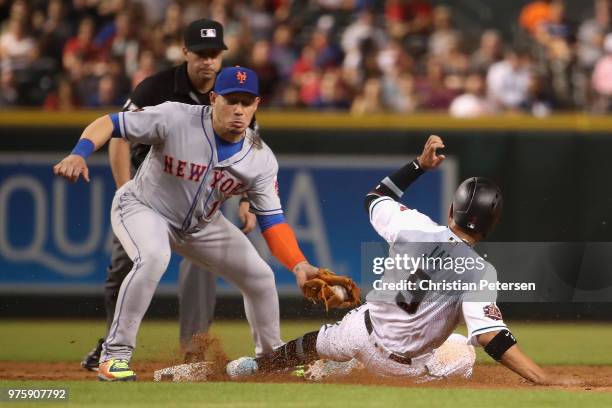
[[200, 156], [404, 332], [191, 83]]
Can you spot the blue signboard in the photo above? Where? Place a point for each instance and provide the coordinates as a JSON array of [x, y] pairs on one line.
[[55, 236]]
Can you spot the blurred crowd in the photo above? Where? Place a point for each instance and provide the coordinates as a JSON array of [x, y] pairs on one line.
[[365, 56]]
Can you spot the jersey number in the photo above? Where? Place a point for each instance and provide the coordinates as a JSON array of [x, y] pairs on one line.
[[417, 294]]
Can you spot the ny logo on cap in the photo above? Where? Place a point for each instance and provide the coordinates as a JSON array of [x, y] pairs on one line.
[[241, 76], [208, 33]]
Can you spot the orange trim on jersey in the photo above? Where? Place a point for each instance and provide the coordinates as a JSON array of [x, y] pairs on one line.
[[283, 245]]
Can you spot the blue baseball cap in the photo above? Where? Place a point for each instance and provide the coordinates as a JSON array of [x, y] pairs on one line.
[[237, 79]]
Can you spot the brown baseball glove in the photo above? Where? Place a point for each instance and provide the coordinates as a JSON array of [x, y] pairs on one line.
[[320, 289]]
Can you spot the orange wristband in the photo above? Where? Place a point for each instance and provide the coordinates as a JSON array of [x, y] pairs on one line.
[[283, 245]]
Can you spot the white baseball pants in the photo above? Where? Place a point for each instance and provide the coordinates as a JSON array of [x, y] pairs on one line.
[[349, 339]]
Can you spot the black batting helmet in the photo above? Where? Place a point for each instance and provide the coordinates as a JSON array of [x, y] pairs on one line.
[[477, 205]]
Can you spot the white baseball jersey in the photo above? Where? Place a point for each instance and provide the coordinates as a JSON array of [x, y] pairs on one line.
[[182, 178], [428, 322]]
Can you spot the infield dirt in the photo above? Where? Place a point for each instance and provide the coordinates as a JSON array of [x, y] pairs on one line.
[[24, 359], [592, 378]]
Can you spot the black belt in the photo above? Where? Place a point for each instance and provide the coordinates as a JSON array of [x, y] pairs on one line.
[[398, 358]]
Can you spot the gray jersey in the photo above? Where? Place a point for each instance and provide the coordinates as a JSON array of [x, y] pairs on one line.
[[181, 177], [416, 322]]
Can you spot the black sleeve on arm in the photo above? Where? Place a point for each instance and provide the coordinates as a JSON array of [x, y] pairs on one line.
[[395, 185], [500, 344], [380, 191]]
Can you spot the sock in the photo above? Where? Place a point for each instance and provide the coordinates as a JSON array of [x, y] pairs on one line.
[[302, 350]]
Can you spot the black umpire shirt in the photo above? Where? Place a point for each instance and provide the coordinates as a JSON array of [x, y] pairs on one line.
[[169, 85]]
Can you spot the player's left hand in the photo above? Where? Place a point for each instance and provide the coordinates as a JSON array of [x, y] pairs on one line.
[[304, 271], [247, 218], [71, 167], [562, 381], [334, 291], [430, 159]]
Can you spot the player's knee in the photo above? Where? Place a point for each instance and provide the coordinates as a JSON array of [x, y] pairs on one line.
[[262, 285], [155, 260], [453, 358]]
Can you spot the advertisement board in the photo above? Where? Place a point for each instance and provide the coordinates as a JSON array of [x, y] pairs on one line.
[[55, 236]]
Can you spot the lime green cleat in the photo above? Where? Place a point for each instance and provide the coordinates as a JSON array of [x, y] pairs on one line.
[[116, 370], [299, 371]]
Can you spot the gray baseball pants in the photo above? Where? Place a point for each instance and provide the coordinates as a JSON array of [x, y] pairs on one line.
[[220, 247], [196, 293]]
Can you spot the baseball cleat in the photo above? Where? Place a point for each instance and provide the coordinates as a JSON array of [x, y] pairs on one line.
[[322, 369], [91, 361], [116, 370], [299, 371], [243, 367]]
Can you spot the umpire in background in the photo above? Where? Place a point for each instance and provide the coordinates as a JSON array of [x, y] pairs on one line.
[[188, 83]]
